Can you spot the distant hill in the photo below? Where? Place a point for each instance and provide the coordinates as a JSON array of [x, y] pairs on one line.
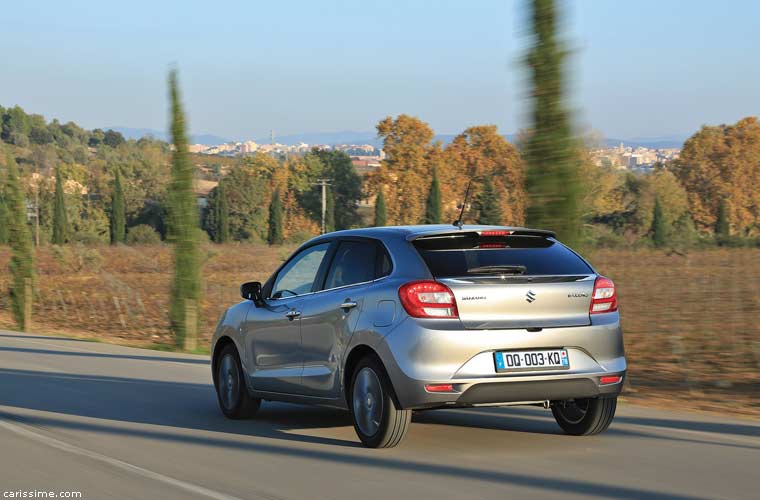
[[137, 133], [666, 142], [370, 137]]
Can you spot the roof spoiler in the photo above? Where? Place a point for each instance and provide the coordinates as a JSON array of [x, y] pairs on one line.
[[507, 231]]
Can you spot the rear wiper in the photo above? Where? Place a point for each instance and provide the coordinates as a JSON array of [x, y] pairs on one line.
[[497, 270]]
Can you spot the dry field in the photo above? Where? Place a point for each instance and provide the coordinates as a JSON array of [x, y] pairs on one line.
[[691, 333]]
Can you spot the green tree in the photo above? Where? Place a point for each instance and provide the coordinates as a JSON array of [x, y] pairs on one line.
[[20, 238], [722, 224], [113, 138], [345, 184], [380, 209], [118, 222], [552, 180], [184, 220], [221, 215], [275, 235], [659, 226], [60, 220], [433, 204], [489, 210]]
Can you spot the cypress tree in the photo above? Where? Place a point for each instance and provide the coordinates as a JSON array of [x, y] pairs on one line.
[[330, 212], [60, 221], [4, 216], [275, 220], [552, 177], [380, 209], [184, 222], [722, 225], [433, 204], [221, 215], [118, 212], [489, 212], [659, 227], [21, 265]]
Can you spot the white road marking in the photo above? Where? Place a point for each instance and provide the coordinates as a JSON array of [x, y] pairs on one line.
[[114, 462]]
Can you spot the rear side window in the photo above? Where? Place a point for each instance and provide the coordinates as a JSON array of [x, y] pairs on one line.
[[354, 262], [469, 254]]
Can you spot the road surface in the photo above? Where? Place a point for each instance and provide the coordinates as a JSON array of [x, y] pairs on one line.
[[118, 422]]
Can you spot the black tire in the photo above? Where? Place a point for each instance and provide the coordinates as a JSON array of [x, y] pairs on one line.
[[231, 392], [584, 417], [392, 423]]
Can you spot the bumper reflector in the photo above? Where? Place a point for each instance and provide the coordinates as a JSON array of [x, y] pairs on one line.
[[439, 388], [610, 380]]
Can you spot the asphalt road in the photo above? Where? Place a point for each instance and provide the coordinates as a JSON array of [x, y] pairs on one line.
[[117, 422]]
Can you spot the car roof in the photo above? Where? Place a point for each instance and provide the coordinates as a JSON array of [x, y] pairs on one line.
[[414, 232]]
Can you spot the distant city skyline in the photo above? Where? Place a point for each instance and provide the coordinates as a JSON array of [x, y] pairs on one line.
[[643, 69]]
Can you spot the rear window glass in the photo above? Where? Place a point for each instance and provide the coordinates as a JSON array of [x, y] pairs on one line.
[[350, 264], [469, 254]]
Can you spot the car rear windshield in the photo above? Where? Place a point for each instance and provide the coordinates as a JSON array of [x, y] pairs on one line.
[[469, 254]]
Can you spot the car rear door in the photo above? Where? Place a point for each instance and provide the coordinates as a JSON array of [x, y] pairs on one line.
[[330, 316], [505, 280]]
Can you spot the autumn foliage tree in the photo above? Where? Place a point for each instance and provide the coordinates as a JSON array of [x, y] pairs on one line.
[[481, 153], [405, 171], [718, 165]]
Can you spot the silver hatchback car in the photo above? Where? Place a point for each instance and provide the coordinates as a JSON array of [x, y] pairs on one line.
[[383, 321]]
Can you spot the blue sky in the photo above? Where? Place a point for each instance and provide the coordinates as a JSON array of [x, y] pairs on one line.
[[639, 69]]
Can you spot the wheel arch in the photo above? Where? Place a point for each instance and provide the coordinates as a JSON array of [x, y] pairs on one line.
[[354, 356], [223, 341]]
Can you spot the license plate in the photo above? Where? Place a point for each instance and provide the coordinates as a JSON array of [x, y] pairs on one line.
[[553, 359]]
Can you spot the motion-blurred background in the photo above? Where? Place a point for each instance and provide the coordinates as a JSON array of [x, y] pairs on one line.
[[630, 129]]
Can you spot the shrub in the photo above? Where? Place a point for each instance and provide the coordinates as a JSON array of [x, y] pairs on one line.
[[143, 234]]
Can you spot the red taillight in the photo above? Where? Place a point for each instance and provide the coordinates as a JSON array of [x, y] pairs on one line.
[[439, 388], [428, 299], [613, 379], [604, 299], [496, 232]]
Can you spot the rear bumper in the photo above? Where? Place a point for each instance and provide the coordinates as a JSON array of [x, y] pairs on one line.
[[500, 391], [416, 355]]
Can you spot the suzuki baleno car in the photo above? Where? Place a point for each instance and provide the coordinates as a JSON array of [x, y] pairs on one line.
[[384, 321]]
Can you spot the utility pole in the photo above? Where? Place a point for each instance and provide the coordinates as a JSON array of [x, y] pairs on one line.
[[324, 183]]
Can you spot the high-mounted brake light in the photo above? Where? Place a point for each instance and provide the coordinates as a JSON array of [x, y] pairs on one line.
[[428, 299], [604, 298], [496, 232]]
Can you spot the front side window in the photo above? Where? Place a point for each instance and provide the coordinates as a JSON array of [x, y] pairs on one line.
[[297, 277], [354, 262]]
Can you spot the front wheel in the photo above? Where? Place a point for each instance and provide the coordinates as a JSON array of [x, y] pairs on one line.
[[584, 417], [234, 399], [379, 423]]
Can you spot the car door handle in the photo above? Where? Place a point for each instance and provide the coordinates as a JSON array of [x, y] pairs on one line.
[[348, 304], [292, 314]]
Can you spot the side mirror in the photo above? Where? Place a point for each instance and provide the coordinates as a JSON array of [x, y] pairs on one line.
[[252, 291]]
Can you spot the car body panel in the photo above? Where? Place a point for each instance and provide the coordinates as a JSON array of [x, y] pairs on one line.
[[416, 351]]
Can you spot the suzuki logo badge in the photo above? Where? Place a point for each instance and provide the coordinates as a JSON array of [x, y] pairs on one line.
[[530, 296]]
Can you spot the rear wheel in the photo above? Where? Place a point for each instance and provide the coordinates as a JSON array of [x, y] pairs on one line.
[[585, 417], [378, 421], [233, 396]]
